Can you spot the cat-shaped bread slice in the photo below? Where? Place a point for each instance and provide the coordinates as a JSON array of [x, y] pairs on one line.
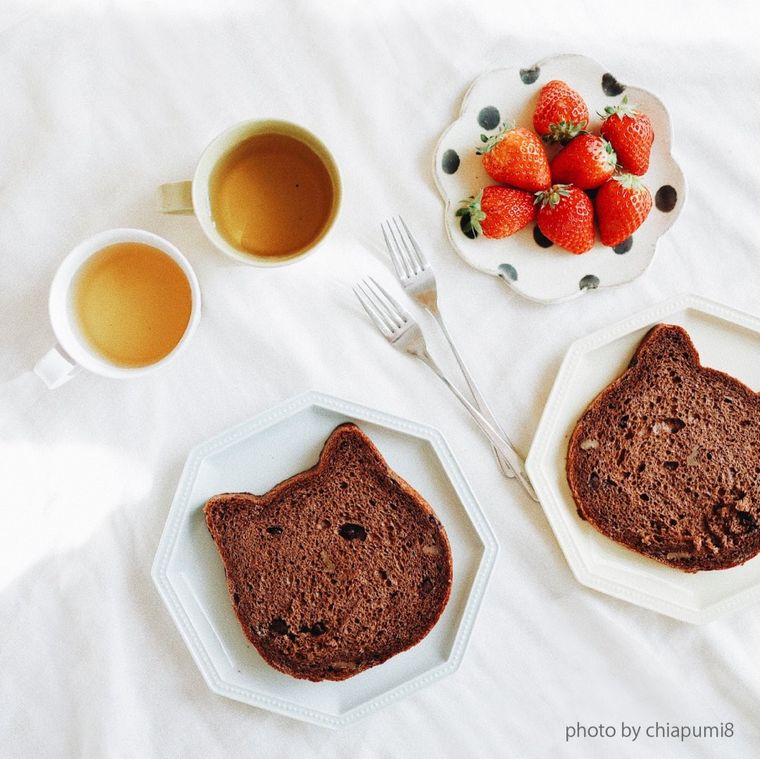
[[666, 459], [337, 568]]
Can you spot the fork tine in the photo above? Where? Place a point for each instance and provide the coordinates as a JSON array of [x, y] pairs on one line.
[[405, 250], [392, 319], [419, 255], [381, 307], [372, 311], [401, 267], [395, 310]]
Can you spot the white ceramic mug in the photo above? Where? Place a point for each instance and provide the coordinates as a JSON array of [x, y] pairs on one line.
[[194, 197], [73, 352]]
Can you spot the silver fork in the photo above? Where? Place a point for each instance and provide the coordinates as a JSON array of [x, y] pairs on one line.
[[416, 276], [404, 333]]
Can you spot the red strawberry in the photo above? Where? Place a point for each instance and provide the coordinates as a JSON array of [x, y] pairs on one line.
[[496, 212], [566, 217], [631, 135], [515, 156], [561, 113], [587, 162], [622, 204]]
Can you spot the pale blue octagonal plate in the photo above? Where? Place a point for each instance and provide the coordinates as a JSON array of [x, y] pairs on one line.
[[253, 457]]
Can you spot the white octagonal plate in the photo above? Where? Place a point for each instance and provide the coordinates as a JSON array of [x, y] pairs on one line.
[[726, 339], [255, 456], [551, 275]]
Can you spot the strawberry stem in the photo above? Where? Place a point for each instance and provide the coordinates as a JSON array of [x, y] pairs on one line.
[[490, 142], [552, 196], [629, 181], [564, 131], [623, 108], [472, 214]]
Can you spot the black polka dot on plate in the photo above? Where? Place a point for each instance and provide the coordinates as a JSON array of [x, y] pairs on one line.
[[450, 161], [541, 239], [666, 198], [467, 230], [508, 272], [589, 282], [611, 86], [530, 75], [489, 117], [624, 246]]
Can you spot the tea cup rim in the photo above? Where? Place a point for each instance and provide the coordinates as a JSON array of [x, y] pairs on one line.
[[220, 146], [63, 319]]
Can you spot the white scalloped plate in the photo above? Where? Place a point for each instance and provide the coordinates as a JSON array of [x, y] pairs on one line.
[[256, 455], [551, 275], [725, 339]]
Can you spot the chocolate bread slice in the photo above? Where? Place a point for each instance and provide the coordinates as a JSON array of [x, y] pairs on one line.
[[337, 568], [666, 459]]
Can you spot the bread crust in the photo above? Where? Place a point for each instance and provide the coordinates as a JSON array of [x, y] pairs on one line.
[[666, 459], [337, 568]]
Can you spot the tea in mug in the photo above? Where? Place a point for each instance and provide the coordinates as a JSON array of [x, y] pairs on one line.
[[132, 303], [272, 196]]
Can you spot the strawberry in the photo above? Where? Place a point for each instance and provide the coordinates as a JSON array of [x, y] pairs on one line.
[[622, 204], [515, 156], [631, 135], [588, 161], [561, 113], [566, 217], [496, 212]]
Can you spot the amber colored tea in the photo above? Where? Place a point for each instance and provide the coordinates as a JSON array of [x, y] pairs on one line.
[[272, 196], [132, 303]]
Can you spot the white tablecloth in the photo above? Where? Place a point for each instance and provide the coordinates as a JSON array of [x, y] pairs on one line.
[[100, 104]]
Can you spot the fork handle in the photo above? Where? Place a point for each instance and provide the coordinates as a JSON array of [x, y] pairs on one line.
[[480, 402], [503, 446]]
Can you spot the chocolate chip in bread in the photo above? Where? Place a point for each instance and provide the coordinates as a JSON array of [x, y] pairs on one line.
[[666, 459], [337, 568]]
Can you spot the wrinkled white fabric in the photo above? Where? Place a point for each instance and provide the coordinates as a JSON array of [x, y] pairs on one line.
[[101, 102]]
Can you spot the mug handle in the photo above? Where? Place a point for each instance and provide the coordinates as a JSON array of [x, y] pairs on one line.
[[55, 368], [176, 197]]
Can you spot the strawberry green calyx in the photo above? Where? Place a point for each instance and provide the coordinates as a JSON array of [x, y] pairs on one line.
[[622, 109], [610, 156], [564, 131], [489, 143], [552, 196], [629, 181], [472, 214]]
